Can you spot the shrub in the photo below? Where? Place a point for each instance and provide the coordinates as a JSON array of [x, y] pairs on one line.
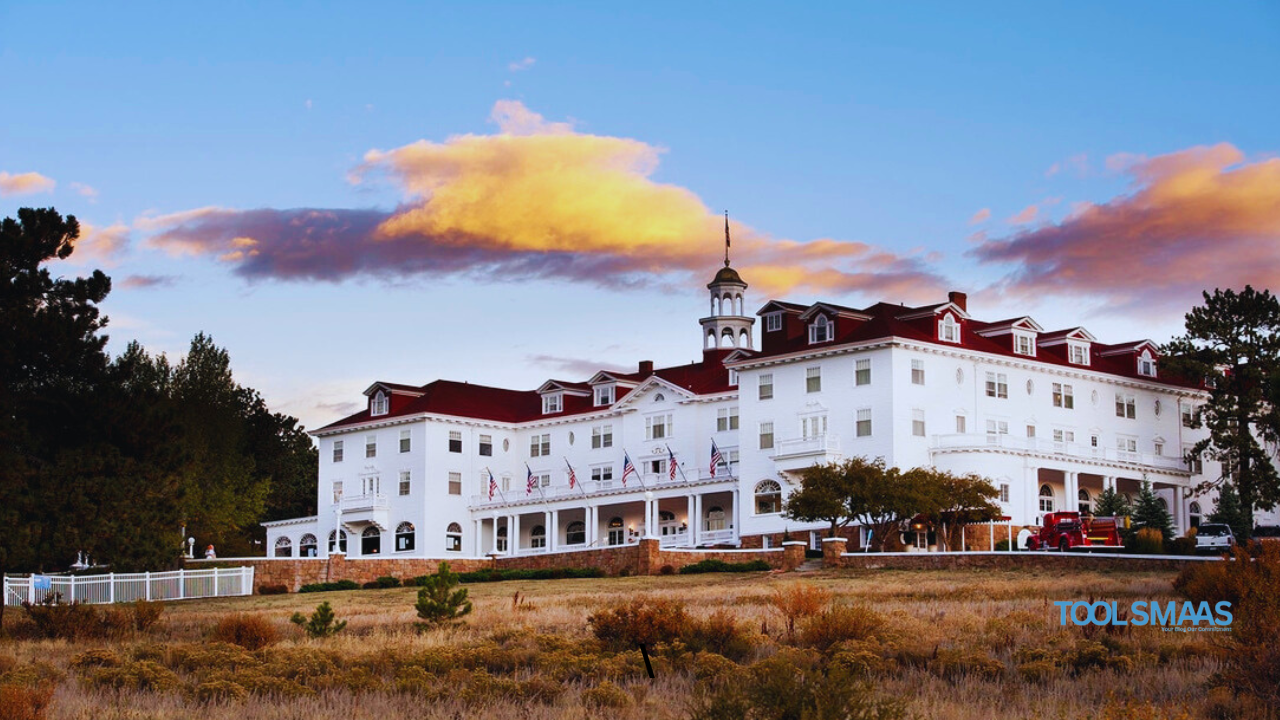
[[711, 565], [100, 657], [138, 676], [438, 601], [667, 570], [1147, 541], [251, 632], [273, 589], [330, 586], [606, 695], [838, 624], [1038, 671], [957, 664], [55, 619], [798, 600], [19, 702], [382, 583], [793, 684], [642, 621], [321, 624], [1182, 546], [720, 633], [220, 691]]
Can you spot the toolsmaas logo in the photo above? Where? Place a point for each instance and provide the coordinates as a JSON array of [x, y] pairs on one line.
[[1171, 616]]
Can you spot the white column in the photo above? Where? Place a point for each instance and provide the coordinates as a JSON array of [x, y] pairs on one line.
[[513, 535], [479, 547], [1032, 485], [494, 545], [690, 538], [553, 530], [736, 515], [695, 522], [591, 525], [1179, 511], [1109, 482], [650, 513]]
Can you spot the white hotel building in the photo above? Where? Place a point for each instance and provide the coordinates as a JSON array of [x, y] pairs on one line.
[[1051, 417]]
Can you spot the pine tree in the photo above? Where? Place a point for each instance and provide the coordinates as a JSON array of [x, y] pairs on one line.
[[1112, 504], [1148, 512], [1230, 511], [438, 602], [321, 624]]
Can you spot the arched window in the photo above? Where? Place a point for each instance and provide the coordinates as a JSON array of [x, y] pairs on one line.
[[744, 338], [768, 497], [617, 535], [576, 533], [820, 330], [1194, 514], [453, 538], [1086, 502], [1046, 498], [502, 539], [379, 404], [949, 329], [307, 546], [538, 537], [284, 547], [404, 537], [1163, 503], [371, 541], [715, 518], [341, 536], [726, 338]]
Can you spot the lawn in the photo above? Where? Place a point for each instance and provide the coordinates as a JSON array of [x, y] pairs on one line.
[[953, 644]]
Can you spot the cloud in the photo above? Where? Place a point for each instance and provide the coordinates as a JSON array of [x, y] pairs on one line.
[[524, 64], [1077, 164], [1196, 219], [981, 216], [574, 366], [86, 191], [25, 183], [536, 200], [1024, 216], [146, 282], [100, 245]]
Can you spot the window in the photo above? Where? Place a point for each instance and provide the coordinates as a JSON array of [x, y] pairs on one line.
[[813, 379], [730, 458], [1159, 448], [501, 542], [1064, 396], [601, 437], [1004, 492], [406, 442], [657, 427], [284, 547], [617, 535], [863, 423], [766, 436], [486, 445], [455, 483], [455, 441], [1085, 502], [997, 427], [820, 330], [766, 386], [1064, 436], [453, 538], [1188, 414], [960, 424], [1194, 463], [657, 467], [540, 445], [370, 541], [337, 451], [813, 426], [1046, 498], [380, 404], [1127, 444], [551, 403], [716, 519], [371, 446], [604, 395], [1079, 353], [917, 372], [542, 480], [1193, 511], [733, 378], [576, 533], [404, 537], [949, 329], [602, 474], [768, 497], [727, 419], [997, 385], [1031, 431], [917, 423], [1147, 364], [772, 322], [1024, 344], [538, 537], [1126, 407], [862, 372], [341, 537], [337, 491], [404, 482]]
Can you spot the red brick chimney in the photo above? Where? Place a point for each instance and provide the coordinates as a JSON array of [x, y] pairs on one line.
[[959, 299], [646, 368]]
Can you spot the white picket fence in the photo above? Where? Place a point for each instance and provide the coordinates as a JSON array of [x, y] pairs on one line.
[[127, 587]]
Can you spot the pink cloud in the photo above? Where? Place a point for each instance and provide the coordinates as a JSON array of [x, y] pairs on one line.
[[1024, 216], [25, 183], [981, 216]]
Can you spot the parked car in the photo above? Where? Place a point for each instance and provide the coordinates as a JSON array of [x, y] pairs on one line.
[[1214, 537]]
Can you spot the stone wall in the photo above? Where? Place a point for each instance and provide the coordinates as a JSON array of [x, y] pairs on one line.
[[1010, 561], [293, 573], [612, 560]]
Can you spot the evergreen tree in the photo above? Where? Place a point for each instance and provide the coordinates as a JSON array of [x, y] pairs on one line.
[[1148, 512], [1230, 511], [1232, 342], [1112, 504], [438, 602], [322, 623]]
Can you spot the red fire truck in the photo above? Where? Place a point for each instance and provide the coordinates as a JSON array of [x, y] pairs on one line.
[[1066, 530]]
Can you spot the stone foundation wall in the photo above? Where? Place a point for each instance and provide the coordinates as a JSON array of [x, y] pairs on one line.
[[293, 573], [1010, 561], [612, 560]]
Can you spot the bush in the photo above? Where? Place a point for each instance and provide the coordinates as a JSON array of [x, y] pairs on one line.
[[330, 586], [19, 702], [796, 601], [667, 570], [720, 633], [273, 589], [711, 565], [640, 622], [220, 691], [251, 632], [606, 695], [957, 664], [55, 619], [100, 657], [793, 684], [382, 583], [1182, 546], [321, 624], [838, 624], [1147, 541], [138, 676]]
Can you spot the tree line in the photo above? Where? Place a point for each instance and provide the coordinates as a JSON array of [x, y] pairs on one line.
[[113, 457]]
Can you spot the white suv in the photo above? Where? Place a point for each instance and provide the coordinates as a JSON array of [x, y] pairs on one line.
[[1214, 537]]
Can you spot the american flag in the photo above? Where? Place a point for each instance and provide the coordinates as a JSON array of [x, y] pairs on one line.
[[671, 464], [627, 468], [493, 484], [530, 484], [716, 458], [573, 477]]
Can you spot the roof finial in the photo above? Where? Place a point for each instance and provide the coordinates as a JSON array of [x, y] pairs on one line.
[[726, 238]]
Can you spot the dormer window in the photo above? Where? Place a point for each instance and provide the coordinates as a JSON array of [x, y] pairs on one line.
[[1024, 344], [604, 395], [772, 322], [949, 329], [1079, 353], [552, 403], [379, 406], [1147, 364], [820, 330]]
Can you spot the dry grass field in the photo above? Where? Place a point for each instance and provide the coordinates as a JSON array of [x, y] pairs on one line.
[[944, 644]]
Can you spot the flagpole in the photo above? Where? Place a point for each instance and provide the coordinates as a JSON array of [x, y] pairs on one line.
[[679, 467], [575, 476]]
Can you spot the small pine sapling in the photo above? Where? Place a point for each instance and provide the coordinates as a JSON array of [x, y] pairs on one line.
[[439, 603], [321, 624]]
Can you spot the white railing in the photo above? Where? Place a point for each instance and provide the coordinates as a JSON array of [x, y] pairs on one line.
[[127, 587], [370, 501], [717, 537], [1045, 446], [587, 489], [813, 445], [676, 539]]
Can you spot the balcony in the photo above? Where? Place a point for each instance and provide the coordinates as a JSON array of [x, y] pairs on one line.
[[802, 452], [368, 509], [1045, 447], [591, 489]]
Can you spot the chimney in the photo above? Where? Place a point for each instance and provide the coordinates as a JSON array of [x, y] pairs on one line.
[[646, 368], [959, 299]]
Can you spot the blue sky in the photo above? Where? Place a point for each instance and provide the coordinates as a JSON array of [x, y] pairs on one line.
[[887, 125]]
